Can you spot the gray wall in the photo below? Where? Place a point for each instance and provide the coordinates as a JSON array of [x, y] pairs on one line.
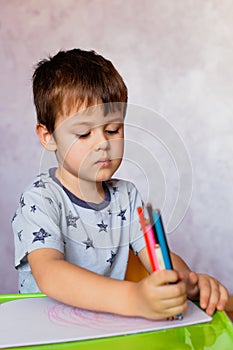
[[176, 58]]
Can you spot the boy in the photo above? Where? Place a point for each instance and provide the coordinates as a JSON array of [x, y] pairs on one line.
[[75, 224]]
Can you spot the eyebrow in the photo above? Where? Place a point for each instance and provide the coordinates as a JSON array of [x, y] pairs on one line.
[[78, 123], [116, 120]]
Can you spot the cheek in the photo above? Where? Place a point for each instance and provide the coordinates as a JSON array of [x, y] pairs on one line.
[[67, 150], [117, 147], [78, 155], [66, 144]]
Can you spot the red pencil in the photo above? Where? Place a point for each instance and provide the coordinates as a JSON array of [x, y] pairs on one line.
[[149, 239]]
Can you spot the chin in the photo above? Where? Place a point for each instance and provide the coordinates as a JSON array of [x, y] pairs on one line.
[[104, 177]]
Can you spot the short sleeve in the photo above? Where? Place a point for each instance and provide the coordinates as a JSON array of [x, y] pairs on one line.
[[36, 224]]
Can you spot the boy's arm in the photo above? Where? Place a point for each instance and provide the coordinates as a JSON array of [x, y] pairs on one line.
[[152, 298], [76, 286]]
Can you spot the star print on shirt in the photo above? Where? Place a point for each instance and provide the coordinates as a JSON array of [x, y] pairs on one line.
[[13, 217], [111, 260], [71, 219], [89, 243], [115, 189], [122, 214], [33, 208], [39, 183], [22, 283], [19, 234], [102, 226], [40, 235], [49, 200], [41, 174], [21, 201]]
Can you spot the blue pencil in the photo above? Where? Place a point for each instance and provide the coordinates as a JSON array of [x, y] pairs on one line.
[[162, 239], [163, 244]]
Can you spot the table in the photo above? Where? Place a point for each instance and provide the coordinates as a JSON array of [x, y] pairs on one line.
[[216, 335]]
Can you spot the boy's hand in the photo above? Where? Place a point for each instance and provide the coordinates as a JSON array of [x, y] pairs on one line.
[[212, 294], [156, 298]]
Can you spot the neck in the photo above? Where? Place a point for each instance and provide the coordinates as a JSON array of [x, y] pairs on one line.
[[86, 190]]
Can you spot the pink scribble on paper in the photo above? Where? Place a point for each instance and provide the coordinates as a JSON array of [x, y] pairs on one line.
[[65, 315]]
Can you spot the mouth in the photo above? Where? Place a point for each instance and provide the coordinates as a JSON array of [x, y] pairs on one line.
[[103, 162]]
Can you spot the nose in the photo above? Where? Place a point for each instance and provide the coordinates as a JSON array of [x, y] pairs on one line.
[[102, 142]]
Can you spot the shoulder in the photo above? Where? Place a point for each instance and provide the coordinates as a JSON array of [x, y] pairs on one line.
[[42, 190], [43, 182], [42, 198], [40, 184]]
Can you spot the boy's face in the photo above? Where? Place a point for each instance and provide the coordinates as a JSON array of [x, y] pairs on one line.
[[89, 145]]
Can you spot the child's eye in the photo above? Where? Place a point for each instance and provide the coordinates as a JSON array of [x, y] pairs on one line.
[[83, 136], [112, 132]]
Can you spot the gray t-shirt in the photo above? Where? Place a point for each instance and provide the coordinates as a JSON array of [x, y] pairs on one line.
[[93, 236]]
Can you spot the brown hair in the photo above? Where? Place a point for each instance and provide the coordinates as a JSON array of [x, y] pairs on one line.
[[72, 78]]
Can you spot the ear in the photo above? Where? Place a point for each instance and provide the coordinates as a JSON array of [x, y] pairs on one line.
[[46, 138]]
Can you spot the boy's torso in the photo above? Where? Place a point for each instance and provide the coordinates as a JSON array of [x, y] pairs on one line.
[[93, 236]]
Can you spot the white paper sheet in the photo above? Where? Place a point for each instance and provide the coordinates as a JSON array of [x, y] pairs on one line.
[[43, 321]]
